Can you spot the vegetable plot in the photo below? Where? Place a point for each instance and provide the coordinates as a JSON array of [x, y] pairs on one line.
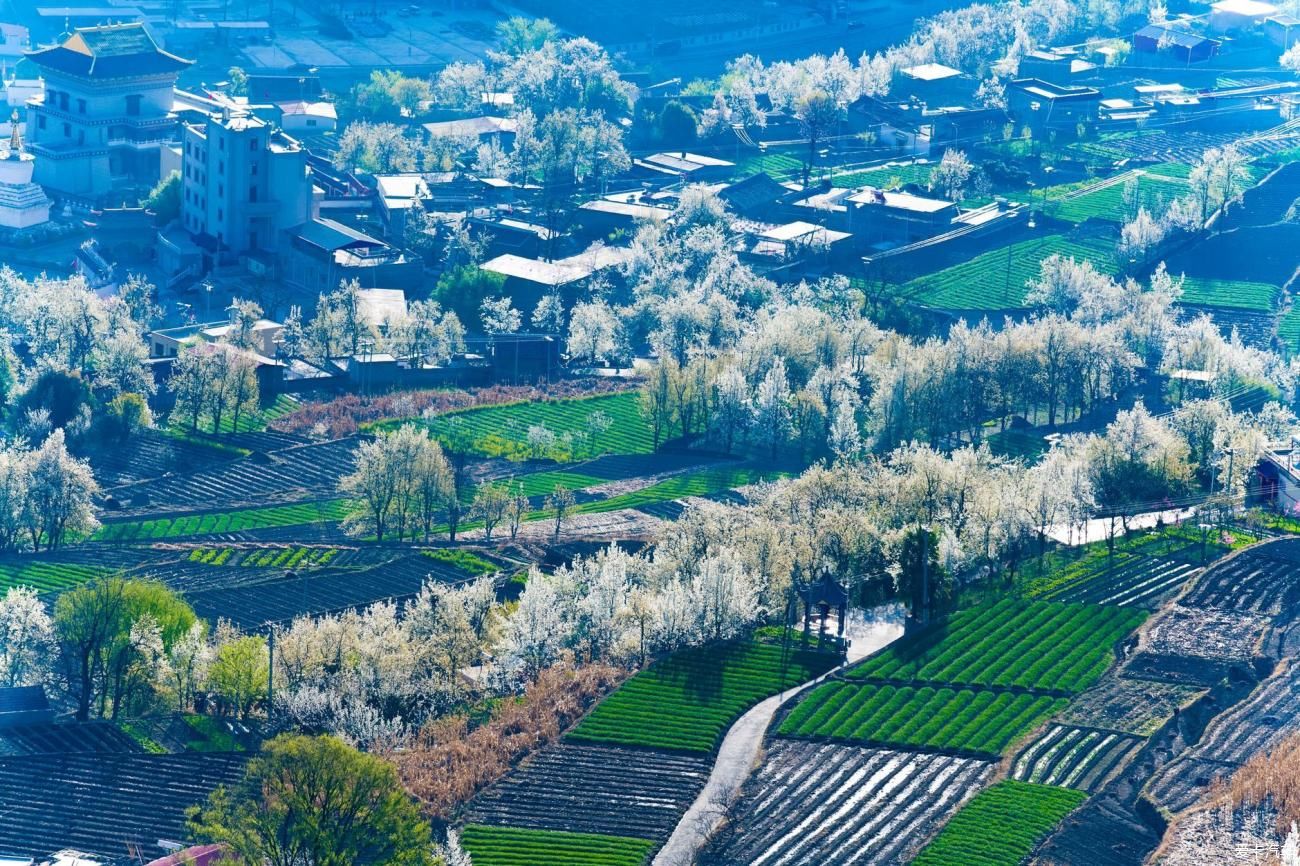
[[506, 846], [958, 721], [688, 700], [1001, 826], [1063, 648]]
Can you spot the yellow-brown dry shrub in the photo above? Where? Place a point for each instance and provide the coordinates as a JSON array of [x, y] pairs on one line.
[[1269, 779], [450, 762]]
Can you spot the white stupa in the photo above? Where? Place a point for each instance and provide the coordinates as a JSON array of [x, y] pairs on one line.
[[22, 203]]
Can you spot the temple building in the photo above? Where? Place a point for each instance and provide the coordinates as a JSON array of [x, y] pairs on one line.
[[23, 204], [106, 111]]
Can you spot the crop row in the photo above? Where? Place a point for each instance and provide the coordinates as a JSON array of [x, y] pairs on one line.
[[46, 576], [1237, 294], [969, 721], [1033, 645], [271, 557], [508, 846], [689, 699], [848, 805], [1001, 826], [1079, 758], [224, 521]]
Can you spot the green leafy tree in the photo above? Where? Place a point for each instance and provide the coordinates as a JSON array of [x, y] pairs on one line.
[[239, 673], [94, 625], [678, 125], [165, 198], [462, 290], [318, 801]]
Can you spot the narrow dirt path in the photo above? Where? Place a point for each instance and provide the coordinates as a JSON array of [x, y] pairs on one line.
[[741, 748]]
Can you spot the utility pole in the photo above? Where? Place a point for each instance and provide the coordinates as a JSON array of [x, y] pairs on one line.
[[270, 672]]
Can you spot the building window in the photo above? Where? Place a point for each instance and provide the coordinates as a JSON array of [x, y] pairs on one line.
[[63, 101], [252, 145], [67, 130], [40, 121], [311, 121], [221, 167], [252, 240], [133, 105], [81, 136], [252, 193], [221, 189], [221, 144], [252, 169], [220, 216], [81, 106]]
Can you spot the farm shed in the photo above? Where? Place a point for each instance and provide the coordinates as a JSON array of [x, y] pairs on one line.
[[1282, 30], [619, 212], [24, 705], [1044, 106], [1182, 46]]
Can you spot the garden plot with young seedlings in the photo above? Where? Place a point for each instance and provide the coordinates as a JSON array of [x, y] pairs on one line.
[[1073, 757], [817, 803]]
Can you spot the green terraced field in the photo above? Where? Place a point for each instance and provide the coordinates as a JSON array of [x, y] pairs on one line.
[[978, 722], [781, 166], [47, 576], [502, 431], [508, 846], [1238, 294], [1046, 646], [688, 700], [1155, 190], [707, 482], [1288, 330], [998, 279], [1001, 826], [885, 176], [225, 521]]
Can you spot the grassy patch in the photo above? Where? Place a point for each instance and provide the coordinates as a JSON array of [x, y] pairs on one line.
[[213, 734], [1028, 445], [150, 745], [224, 521], [979, 722], [1001, 826], [269, 557], [688, 700], [509, 846]]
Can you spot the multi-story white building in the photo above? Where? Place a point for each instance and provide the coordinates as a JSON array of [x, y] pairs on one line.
[[245, 183], [105, 113]]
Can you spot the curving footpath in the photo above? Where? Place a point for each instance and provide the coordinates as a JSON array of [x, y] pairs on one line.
[[740, 749]]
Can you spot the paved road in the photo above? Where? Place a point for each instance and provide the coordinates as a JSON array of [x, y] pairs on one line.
[[741, 748]]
